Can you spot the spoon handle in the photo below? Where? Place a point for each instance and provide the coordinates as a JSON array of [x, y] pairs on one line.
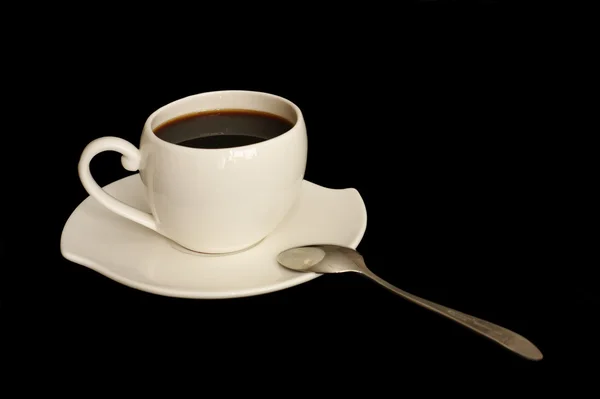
[[500, 335]]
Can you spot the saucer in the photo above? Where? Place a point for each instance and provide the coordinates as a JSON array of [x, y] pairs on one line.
[[140, 258]]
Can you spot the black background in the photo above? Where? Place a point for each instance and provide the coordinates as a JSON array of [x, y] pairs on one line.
[[456, 143]]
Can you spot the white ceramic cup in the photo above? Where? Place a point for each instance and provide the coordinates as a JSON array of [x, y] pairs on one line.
[[210, 200]]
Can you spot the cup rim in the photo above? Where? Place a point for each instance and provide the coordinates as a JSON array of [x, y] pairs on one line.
[[149, 132]]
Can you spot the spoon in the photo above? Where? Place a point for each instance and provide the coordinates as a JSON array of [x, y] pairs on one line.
[[337, 259]]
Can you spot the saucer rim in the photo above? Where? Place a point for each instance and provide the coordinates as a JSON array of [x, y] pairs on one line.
[[195, 294]]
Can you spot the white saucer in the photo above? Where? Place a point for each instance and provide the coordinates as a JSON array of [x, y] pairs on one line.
[[140, 258]]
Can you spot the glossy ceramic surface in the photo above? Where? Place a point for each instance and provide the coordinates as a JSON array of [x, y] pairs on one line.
[[136, 256], [210, 200]]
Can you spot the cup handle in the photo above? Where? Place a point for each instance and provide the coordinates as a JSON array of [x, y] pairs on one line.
[[130, 161]]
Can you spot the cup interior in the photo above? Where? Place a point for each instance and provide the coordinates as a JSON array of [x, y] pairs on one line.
[[226, 100]]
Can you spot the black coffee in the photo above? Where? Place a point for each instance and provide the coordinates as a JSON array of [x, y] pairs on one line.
[[222, 128]]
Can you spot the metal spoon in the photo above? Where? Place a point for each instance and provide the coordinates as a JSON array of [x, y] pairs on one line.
[[336, 259]]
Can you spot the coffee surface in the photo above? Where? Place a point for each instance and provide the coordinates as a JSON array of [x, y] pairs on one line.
[[222, 128]]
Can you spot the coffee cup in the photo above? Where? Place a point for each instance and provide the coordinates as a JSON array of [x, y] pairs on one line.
[[221, 170]]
